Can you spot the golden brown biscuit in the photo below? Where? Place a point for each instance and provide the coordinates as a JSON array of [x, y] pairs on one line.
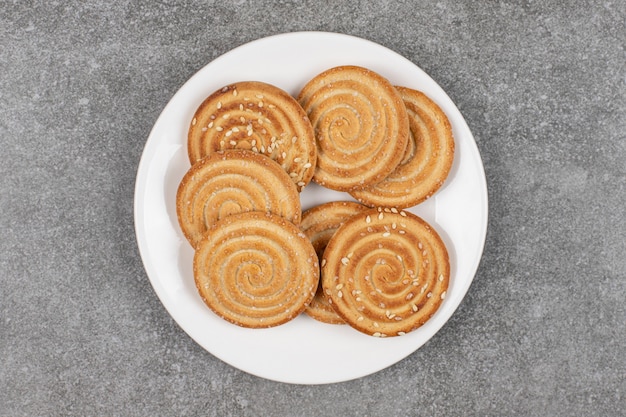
[[385, 272], [256, 269], [255, 116], [230, 182], [319, 224], [427, 160], [360, 124]]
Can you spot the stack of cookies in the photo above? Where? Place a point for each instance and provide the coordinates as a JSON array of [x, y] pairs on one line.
[[259, 260]]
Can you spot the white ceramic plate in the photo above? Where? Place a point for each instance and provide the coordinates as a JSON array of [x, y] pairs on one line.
[[302, 351]]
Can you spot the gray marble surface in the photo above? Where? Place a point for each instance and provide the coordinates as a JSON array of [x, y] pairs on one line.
[[542, 330]]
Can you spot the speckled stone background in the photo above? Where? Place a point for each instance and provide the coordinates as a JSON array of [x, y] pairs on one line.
[[542, 331]]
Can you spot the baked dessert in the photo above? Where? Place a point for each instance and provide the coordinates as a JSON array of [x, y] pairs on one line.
[[319, 224], [259, 117], [230, 182], [427, 160], [256, 269], [360, 124], [385, 272]]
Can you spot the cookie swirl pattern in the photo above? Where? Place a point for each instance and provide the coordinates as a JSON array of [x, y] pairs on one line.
[[360, 124], [319, 225], [255, 116], [231, 182], [385, 272], [256, 270], [427, 160]]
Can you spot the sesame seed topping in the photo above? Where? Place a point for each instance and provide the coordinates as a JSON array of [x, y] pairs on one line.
[[430, 294], [376, 324], [401, 232], [377, 334], [301, 184], [226, 116], [345, 261], [307, 165], [339, 294], [368, 219], [401, 333], [360, 318], [241, 107], [323, 262], [296, 160], [210, 125], [219, 105], [443, 295], [393, 226], [260, 104], [193, 122], [230, 132], [380, 215], [339, 286], [403, 214], [394, 210], [409, 296], [386, 234], [233, 143], [294, 139], [440, 278], [250, 133], [284, 155]]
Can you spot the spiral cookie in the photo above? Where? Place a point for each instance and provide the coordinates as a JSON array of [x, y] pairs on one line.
[[319, 224], [361, 126], [427, 159], [256, 269], [230, 182], [255, 116], [385, 272]]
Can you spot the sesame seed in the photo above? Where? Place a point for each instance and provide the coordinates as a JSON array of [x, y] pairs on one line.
[[204, 129], [260, 104], [301, 184], [376, 324], [250, 133], [222, 143], [234, 92], [393, 226], [235, 129], [226, 116], [380, 215], [368, 219], [210, 125], [193, 122], [401, 333], [296, 160], [345, 261], [414, 307], [430, 294], [403, 214], [360, 318], [339, 286], [440, 278], [271, 106], [394, 210], [307, 165], [294, 139], [339, 294], [259, 96], [293, 174], [323, 262], [443, 295], [284, 155], [377, 334], [241, 107], [386, 234], [409, 296], [219, 105], [230, 132], [233, 143], [401, 232]]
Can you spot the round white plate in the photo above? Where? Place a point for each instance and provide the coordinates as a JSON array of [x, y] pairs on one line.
[[302, 351]]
